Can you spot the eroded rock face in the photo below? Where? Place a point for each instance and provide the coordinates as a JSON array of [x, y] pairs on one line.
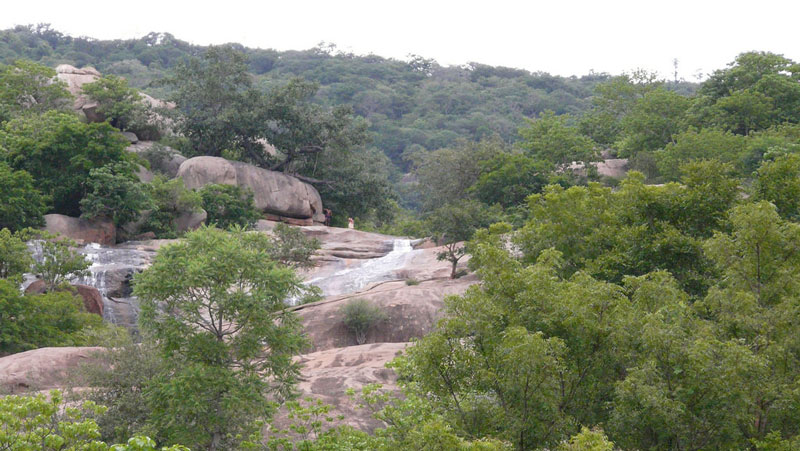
[[101, 231], [273, 192], [75, 79]]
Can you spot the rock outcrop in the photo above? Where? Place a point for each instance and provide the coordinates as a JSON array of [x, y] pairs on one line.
[[75, 79], [101, 231], [273, 192], [43, 368]]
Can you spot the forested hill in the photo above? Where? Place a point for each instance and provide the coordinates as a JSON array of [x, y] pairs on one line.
[[408, 103]]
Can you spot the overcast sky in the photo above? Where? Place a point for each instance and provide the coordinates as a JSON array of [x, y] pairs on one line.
[[560, 37]]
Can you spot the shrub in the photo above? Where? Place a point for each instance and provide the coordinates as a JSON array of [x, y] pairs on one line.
[[59, 262], [15, 259], [360, 316], [291, 247], [229, 205], [115, 193], [171, 198], [21, 204], [52, 319]]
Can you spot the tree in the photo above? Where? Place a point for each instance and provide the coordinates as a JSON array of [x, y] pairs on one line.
[[59, 262], [455, 223], [30, 89], [703, 144], [59, 151], [653, 121], [508, 179], [170, 199], [44, 423], [446, 175], [15, 259], [227, 205], [118, 103], [549, 138], [216, 102], [114, 192], [290, 246], [778, 181], [23, 205], [214, 305], [360, 316]]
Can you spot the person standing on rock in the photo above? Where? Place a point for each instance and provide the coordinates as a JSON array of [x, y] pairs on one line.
[[350, 223], [328, 216]]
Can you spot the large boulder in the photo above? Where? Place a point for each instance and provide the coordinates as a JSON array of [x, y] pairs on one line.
[[75, 79], [190, 220], [273, 192], [101, 231], [43, 368]]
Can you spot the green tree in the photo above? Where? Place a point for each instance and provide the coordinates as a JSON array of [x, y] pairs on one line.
[[30, 89], [227, 205], [549, 138], [15, 259], [653, 121], [59, 151], [59, 262], [45, 423], [114, 192], [778, 181], [704, 144], [455, 223], [117, 102], [508, 179], [214, 304], [291, 247], [170, 199], [23, 205]]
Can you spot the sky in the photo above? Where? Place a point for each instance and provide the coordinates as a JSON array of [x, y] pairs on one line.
[[560, 37]]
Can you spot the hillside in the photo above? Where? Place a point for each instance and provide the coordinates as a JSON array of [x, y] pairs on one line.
[[414, 103]]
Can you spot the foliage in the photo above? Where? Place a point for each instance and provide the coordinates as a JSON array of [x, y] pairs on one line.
[[52, 319], [704, 144], [290, 246], [23, 205], [42, 422], [778, 181], [359, 316], [15, 259], [652, 121], [446, 175], [227, 205], [114, 192], [170, 199], [59, 262], [59, 151], [587, 440], [30, 89], [214, 305], [507, 179], [549, 138], [117, 102], [454, 223]]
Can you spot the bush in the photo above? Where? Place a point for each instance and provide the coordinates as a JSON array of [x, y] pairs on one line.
[[59, 262], [44, 423], [34, 321], [21, 204], [115, 193], [291, 247], [360, 316], [171, 198], [15, 259], [229, 205]]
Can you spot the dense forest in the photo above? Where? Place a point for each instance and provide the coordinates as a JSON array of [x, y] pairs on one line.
[[654, 310]]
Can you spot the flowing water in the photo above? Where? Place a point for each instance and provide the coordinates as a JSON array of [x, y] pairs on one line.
[[356, 277], [112, 268]]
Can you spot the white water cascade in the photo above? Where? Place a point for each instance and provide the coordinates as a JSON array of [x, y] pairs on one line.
[[354, 278]]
